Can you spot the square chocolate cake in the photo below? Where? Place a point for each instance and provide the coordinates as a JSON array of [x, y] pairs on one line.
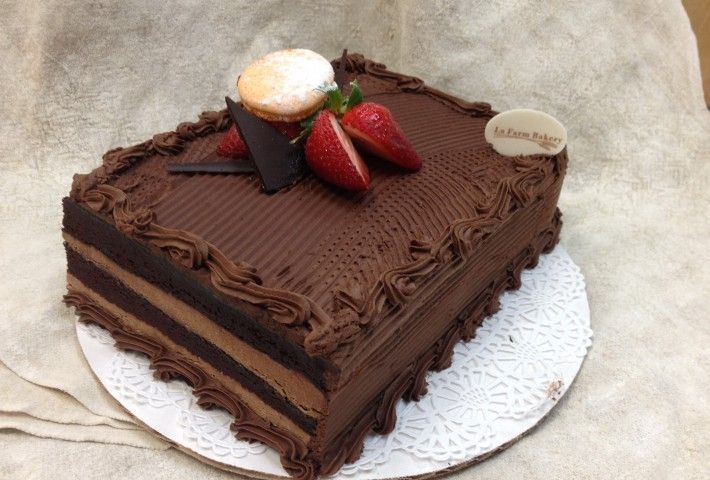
[[308, 313]]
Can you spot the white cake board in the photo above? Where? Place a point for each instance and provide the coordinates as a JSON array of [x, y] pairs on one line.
[[500, 385]]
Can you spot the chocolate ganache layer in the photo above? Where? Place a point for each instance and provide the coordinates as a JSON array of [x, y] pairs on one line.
[[311, 311]]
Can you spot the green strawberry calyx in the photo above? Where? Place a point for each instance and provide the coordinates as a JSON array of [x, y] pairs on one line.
[[335, 101]]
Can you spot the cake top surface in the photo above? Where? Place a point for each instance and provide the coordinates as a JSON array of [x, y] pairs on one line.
[[323, 264]]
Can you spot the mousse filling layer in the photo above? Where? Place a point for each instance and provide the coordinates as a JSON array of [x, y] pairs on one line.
[[116, 293], [288, 383]]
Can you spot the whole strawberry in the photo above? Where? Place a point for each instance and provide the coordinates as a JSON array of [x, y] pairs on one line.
[[290, 129], [232, 145], [331, 155], [373, 128]]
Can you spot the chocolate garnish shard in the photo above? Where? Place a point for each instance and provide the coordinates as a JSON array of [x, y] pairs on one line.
[[341, 74], [231, 166], [213, 163], [278, 162]]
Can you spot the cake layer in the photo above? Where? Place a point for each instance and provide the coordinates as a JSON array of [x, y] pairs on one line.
[[253, 419], [285, 382], [125, 299]]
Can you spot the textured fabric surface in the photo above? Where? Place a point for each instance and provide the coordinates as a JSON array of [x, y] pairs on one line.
[[79, 78]]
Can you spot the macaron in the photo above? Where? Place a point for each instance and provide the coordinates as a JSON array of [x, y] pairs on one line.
[[283, 86]]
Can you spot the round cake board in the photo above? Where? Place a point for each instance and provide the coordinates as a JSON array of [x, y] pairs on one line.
[[499, 387]]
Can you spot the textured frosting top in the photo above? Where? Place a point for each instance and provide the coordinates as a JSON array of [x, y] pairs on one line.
[[324, 264]]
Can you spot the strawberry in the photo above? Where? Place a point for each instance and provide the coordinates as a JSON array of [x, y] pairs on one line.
[[290, 129], [232, 145], [331, 155], [373, 128]]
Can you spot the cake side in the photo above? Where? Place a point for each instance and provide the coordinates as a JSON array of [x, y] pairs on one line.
[[170, 361], [449, 313], [325, 336], [410, 382], [103, 237]]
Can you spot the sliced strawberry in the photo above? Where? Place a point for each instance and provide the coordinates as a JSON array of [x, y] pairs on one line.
[[373, 127], [290, 129], [232, 145], [331, 155]]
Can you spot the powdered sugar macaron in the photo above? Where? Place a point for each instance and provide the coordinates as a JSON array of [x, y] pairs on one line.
[[283, 86]]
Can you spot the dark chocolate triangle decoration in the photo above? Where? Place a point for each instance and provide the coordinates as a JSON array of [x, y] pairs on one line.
[[341, 74], [278, 162]]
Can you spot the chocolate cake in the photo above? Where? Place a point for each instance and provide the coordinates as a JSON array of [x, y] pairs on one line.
[[308, 313]]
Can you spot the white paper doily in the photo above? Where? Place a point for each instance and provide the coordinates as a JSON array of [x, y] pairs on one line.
[[500, 385]]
